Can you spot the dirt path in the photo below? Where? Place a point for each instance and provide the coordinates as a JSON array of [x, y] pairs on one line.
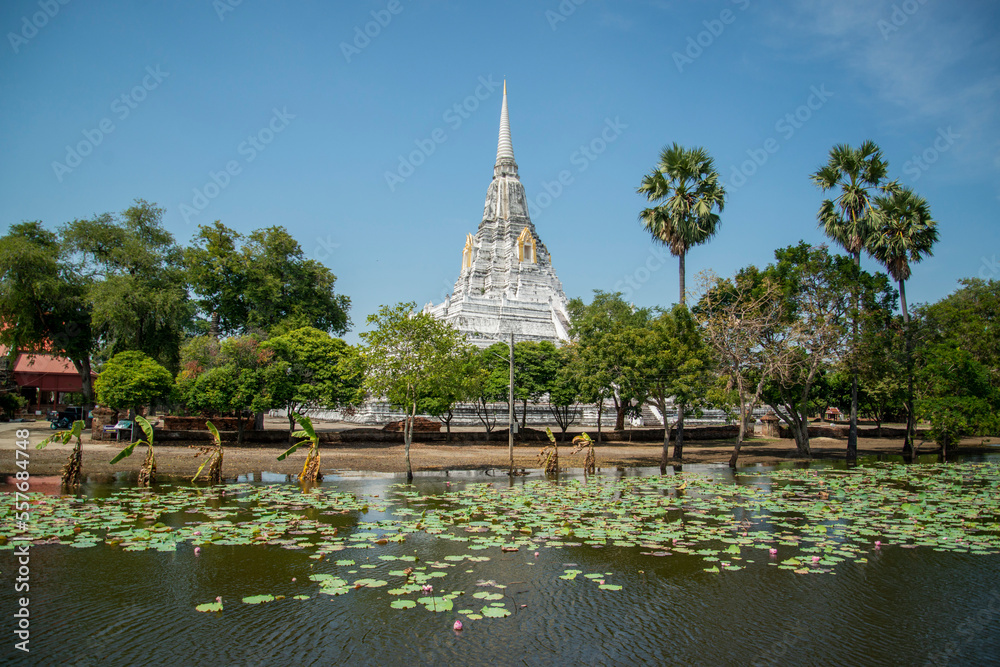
[[184, 460]]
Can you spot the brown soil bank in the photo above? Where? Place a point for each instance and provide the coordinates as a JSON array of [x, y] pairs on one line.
[[183, 459]]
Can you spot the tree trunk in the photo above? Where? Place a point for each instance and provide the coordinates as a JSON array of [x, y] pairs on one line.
[[852, 431], [240, 426], [83, 368], [408, 438], [524, 414], [683, 299], [665, 455], [621, 408], [910, 417], [447, 424], [743, 426], [291, 426], [679, 442], [213, 327], [600, 410]]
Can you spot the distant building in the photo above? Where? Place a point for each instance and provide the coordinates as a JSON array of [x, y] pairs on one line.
[[41, 378], [507, 283]]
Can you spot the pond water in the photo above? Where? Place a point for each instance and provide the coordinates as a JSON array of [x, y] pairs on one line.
[[878, 564]]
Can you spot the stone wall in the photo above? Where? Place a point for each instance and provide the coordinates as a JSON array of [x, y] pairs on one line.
[[171, 423]]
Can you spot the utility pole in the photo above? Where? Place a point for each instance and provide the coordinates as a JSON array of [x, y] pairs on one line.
[[510, 407]]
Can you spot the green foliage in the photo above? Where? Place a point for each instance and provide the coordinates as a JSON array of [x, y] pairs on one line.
[[262, 282], [245, 376], [607, 335], [956, 396], [42, 293], [132, 379], [686, 187], [147, 473], [322, 372], [11, 402], [409, 355], [676, 360], [136, 289], [310, 469], [968, 318]]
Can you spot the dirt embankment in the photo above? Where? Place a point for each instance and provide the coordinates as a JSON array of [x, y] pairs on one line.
[[183, 459]]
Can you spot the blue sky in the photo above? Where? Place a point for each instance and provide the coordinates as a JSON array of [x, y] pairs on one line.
[[263, 113]]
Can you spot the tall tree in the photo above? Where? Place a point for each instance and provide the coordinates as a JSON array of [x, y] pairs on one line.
[[323, 372], [968, 318], [740, 318], [607, 333], [43, 301], [904, 233], [131, 380], [406, 359], [689, 197], [261, 282], [136, 286], [675, 362], [858, 174]]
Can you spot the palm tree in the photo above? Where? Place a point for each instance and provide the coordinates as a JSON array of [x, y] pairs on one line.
[[859, 174], [687, 189], [904, 233]]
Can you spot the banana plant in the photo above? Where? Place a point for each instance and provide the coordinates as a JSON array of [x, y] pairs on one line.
[[147, 473], [72, 472], [582, 442], [310, 470], [214, 458], [550, 454]]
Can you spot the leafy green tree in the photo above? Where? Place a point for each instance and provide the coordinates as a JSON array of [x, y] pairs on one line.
[[956, 396], [816, 308], [676, 363], [564, 388], [689, 197], [740, 320], [904, 235], [43, 301], [131, 380], [461, 379], [407, 359], [135, 281], [968, 318], [247, 378], [490, 383], [858, 174], [607, 333], [323, 372], [262, 282], [535, 367]]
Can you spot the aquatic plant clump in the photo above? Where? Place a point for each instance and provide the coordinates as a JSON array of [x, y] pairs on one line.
[[804, 521]]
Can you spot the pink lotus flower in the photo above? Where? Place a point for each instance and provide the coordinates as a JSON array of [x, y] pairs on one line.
[[293, 580], [458, 626], [774, 552], [428, 588], [536, 554], [878, 544], [197, 550], [815, 559], [197, 532]]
